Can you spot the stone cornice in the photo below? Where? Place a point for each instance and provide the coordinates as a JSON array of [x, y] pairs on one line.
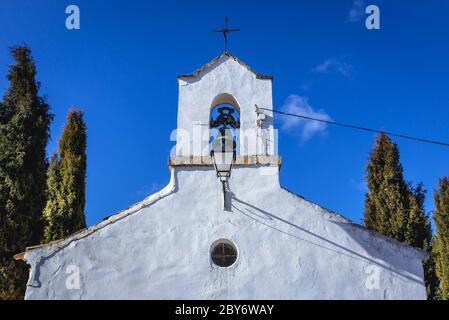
[[179, 161]]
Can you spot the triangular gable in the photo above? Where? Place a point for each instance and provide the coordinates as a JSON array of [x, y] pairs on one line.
[[217, 60]]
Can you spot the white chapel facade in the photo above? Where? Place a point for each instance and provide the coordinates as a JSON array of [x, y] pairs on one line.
[[263, 242]]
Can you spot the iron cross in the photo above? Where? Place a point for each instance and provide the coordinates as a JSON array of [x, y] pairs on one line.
[[225, 32]]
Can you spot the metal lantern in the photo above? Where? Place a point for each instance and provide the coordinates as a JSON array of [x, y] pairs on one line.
[[223, 148], [223, 153]]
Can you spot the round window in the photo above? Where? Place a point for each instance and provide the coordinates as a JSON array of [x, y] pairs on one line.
[[223, 253]]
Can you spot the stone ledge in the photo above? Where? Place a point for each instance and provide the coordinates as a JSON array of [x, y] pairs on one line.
[[239, 161]]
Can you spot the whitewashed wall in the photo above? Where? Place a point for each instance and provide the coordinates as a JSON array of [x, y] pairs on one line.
[[197, 94], [288, 248]]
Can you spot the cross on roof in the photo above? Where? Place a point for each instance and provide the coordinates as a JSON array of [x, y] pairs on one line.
[[225, 32]]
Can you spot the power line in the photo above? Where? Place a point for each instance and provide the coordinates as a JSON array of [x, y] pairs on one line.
[[358, 127]]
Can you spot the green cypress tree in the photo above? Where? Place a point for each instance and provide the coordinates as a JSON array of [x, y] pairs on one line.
[[64, 211], [430, 276], [396, 208], [52, 212], [418, 231], [419, 234], [440, 250], [24, 133], [386, 203]]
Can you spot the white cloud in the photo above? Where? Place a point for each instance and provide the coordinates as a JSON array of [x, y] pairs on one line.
[[306, 128], [335, 66], [357, 11]]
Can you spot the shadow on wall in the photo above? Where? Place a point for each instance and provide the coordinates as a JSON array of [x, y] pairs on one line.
[[269, 219]]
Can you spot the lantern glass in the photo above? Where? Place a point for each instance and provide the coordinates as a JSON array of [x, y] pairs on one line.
[[223, 163], [224, 154]]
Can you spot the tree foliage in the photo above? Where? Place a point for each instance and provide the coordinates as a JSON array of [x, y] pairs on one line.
[[64, 210], [24, 133], [440, 250], [386, 203], [418, 232]]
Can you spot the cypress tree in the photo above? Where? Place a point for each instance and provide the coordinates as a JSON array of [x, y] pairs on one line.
[[24, 133], [418, 232], [64, 211], [430, 276], [52, 212], [386, 203], [440, 250], [396, 208]]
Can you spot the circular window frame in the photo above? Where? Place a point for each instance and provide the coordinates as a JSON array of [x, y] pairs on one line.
[[223, 241]]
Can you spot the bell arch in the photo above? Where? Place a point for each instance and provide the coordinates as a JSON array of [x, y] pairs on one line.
[[223, 99], [225, 115]]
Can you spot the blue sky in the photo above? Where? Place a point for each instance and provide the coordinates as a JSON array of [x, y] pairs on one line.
[[120, 68]]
